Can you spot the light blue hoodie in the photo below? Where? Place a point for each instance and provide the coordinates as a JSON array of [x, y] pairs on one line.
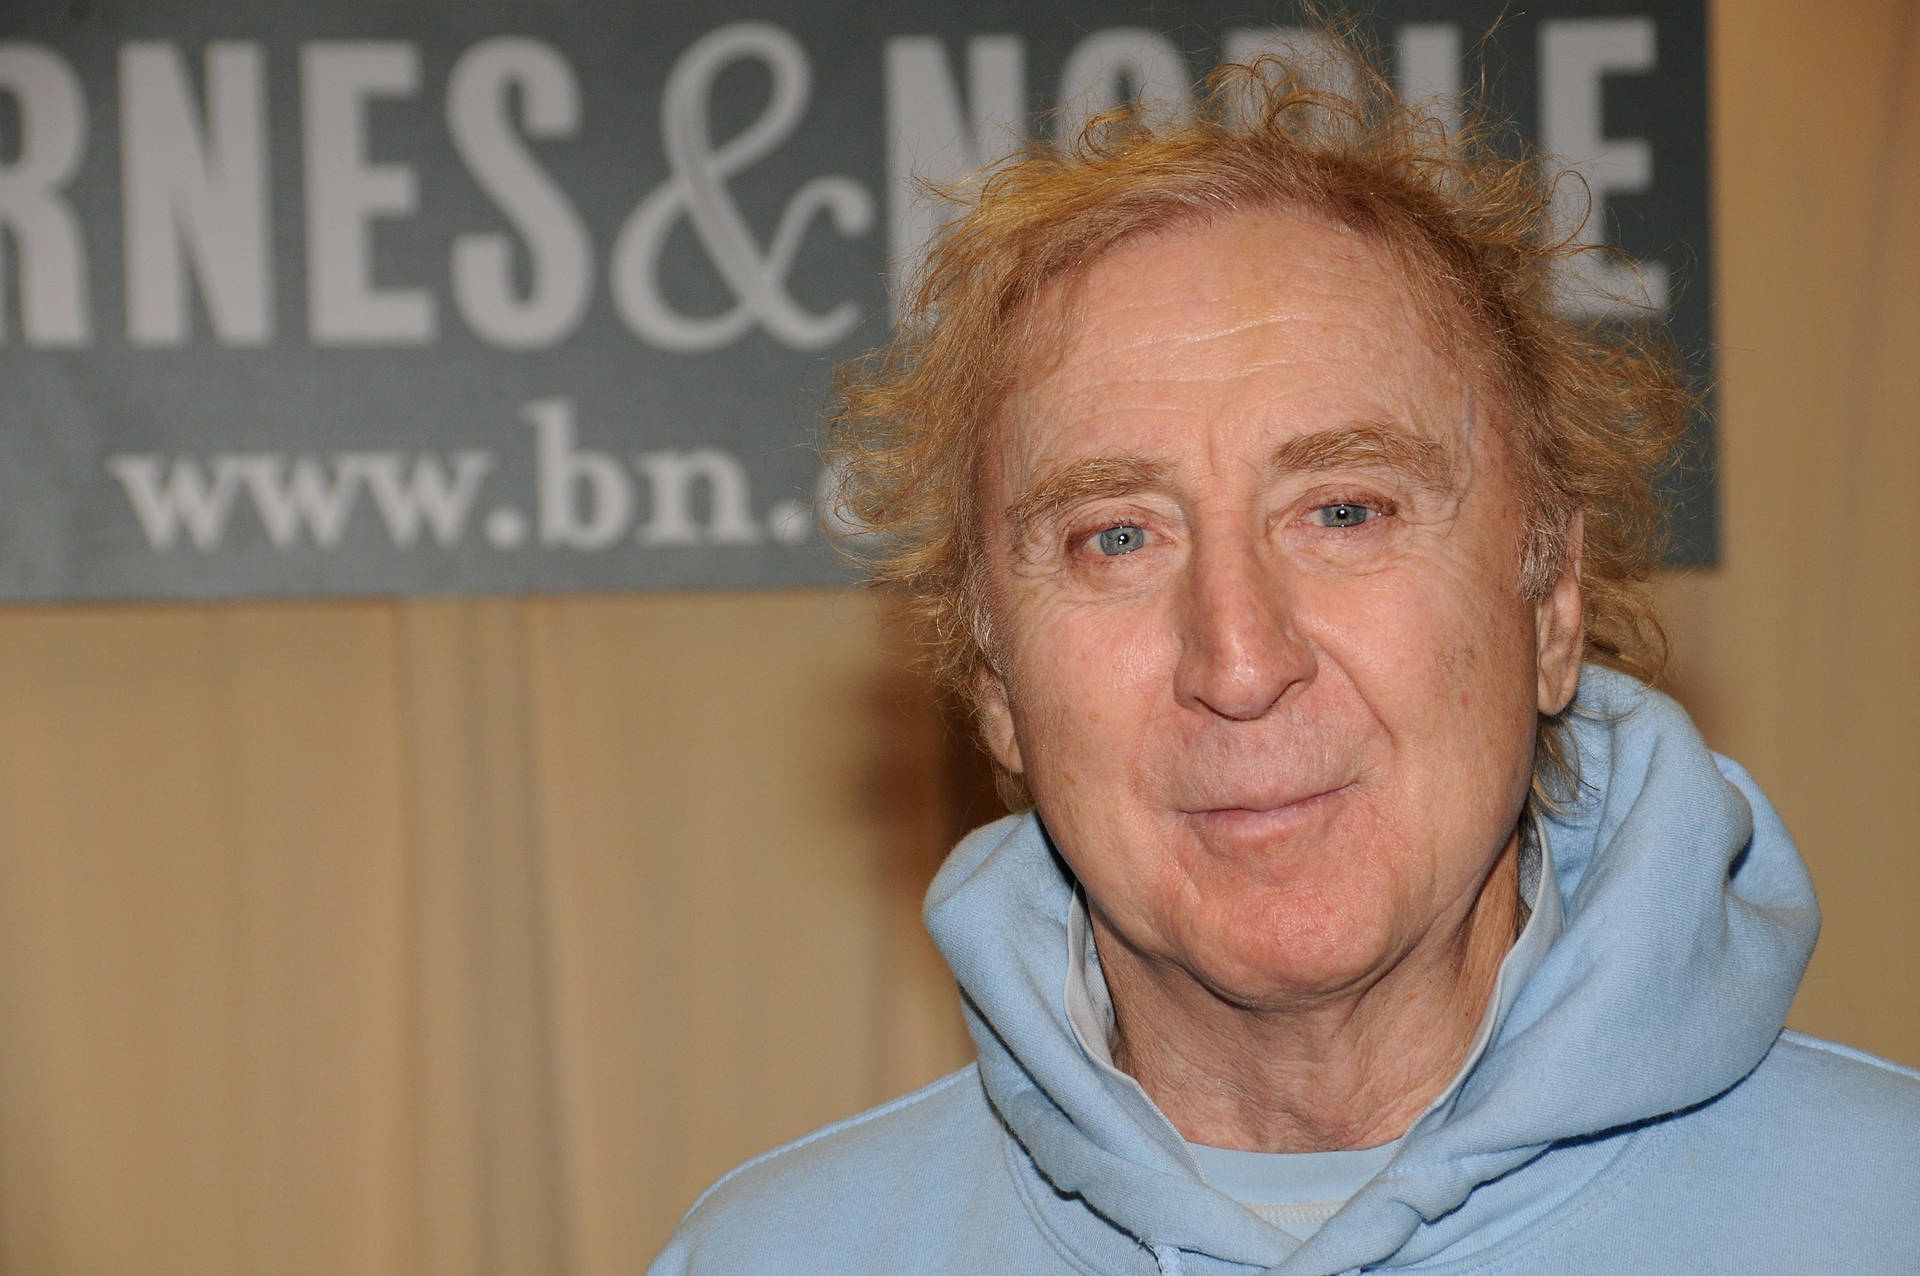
[[1632, 1105]]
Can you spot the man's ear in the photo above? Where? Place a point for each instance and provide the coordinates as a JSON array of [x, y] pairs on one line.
[[1558, 636], [996, 718]]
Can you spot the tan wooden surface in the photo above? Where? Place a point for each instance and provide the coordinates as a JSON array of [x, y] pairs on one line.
[[476, 936], [1800, 654]]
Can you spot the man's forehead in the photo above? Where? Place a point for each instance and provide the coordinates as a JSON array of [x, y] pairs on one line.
[[1261, 304], [1167, 388]]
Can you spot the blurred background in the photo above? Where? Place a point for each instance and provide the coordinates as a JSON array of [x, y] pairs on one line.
[[478, 934]]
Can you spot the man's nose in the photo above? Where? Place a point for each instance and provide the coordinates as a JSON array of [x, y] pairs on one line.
[[1241, 649]]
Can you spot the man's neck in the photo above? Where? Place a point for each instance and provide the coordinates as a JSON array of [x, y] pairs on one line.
[[1349, 1070]]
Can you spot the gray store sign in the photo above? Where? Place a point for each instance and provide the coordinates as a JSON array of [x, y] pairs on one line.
[[376, 298]]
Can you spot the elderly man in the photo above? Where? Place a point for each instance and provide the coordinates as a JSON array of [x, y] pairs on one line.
[[1363, 917]]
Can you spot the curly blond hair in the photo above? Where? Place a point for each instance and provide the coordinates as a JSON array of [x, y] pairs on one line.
[[1590, 411]]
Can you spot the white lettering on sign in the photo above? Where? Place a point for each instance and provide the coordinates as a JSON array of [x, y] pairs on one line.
[[301, 499], [194, 191], [345, 194], [429, 494], [1110, 68], [196, 177], [563, 467], [697, 191], [48, 250], [1427, 67], [1315, 57], [183, 499], [671, 477], [1576, 54], [585, 500], [483, 81], [935, 136]]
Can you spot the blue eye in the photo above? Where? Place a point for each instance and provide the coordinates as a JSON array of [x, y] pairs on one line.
[[1120, 540], [1343, 515]]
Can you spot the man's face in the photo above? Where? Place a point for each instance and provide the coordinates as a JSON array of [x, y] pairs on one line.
[[1260, 646]]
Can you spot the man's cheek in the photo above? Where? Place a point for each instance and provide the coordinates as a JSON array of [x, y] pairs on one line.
[[1090, 647], [1082, 698]]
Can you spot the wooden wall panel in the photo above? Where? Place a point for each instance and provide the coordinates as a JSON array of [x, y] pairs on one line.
[[728, 784], [483, 1100], [1801, 653], [199, 927]]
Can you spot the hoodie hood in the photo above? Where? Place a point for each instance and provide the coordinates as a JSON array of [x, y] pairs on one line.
[[1685, 919]]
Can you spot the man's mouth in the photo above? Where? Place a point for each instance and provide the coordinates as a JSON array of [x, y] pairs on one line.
[[1264, 814]]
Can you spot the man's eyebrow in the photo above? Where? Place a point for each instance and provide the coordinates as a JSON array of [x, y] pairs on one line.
[[1427, 461], [1091, 479]]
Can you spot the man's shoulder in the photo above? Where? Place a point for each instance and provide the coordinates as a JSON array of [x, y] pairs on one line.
[[1850, 1085], [1846, 1077], [921, 1154], [1809, 1164], [1818, 1105], [881, 1143]]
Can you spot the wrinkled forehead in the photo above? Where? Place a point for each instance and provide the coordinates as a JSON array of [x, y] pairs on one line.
[[1260, 313]]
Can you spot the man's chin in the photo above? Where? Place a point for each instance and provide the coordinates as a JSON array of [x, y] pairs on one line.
[[1307, 972]]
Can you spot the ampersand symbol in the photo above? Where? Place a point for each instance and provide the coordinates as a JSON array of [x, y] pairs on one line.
[[697, 190]]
